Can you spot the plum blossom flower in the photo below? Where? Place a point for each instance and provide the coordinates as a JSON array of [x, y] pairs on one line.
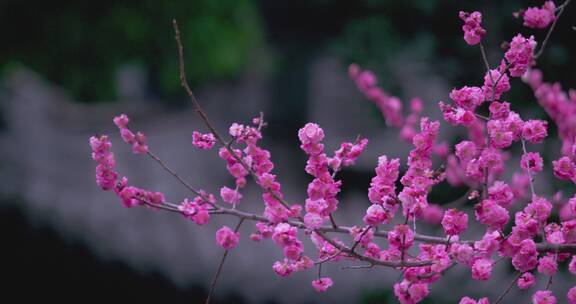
[[501, 80], [526, 280], [203, 141], [547, 265], [227, 238], [230, 196], [482, 269], [535, 131], [322, 284], [532, 161], [535, 17], [454, 222], [571, 295], [543, 297]]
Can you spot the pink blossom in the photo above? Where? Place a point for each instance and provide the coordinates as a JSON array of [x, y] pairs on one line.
[[500, 136], [454, 222], [499, 110], [138, 140], [382, 188], [532, 161], [572, 265], [526, 280], [467, 98], [501, 193], [535, 131], [502, 84], [230, 196], [106, 174], [526, 257], [554, 234], [462, 253], [390, 106], [543, 297], [362, 236], [347, 154], [376, 215], [466, 150], [244, 134], [468, 300], [313, 220], [196, 210], [564, 168], [473, 31], [488, 212], [283, 269], [519, 55], [203, 141], [540, 208], [322, 284], [401, 237], [311, 133], [227, 238], [482, 269], [457, 116], [433, 214], [410, 293], [571, 295], [540, 17], [547, 265]]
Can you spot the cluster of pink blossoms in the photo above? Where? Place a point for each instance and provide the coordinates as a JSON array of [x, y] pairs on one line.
[[390, 106], [520, 54], [203, 141], [518, 223], [473, 31], [105, 170], [535, 17], [138, 140], [107, 177]]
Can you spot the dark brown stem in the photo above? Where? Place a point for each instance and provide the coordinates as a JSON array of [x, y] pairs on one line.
[[501, 297], [549, 33], [204, 116], [220, 266], [183, 182]]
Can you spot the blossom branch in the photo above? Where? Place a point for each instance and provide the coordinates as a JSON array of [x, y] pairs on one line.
[[551, 29]]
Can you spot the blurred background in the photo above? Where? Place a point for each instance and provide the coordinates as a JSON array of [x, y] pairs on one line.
[[67, 67]]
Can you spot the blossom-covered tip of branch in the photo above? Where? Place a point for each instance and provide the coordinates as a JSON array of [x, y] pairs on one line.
[[520, 54], [535, 17], [138, 140], [105, 170], [473, 31]]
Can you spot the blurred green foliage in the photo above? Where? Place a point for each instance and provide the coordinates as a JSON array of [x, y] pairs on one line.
[[80, 44]]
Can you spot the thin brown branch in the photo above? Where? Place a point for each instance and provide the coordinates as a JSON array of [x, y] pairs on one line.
[[204, 116], [220, 266], [183, 182], [501, 297], [551, 29], [542, 247]]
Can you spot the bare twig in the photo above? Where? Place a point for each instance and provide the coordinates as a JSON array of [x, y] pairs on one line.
[[501, 297], [183, 182]]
